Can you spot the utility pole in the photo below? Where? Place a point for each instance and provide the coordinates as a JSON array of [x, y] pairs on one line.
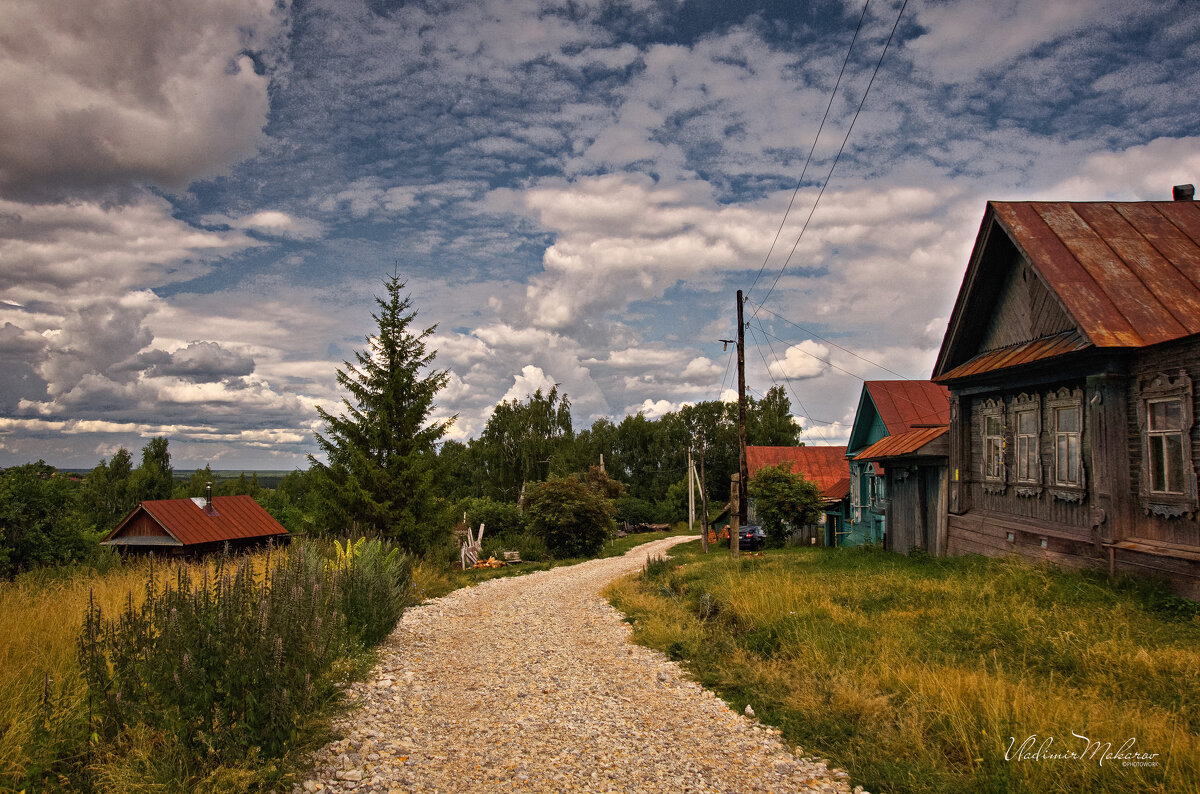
[[735, 526], [691, 475], [743, 473], [703, 505]]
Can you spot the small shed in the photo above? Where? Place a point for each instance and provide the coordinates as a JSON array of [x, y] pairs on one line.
[[195, 526]]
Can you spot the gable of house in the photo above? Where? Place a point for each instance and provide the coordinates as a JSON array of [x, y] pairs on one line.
[[191, 523], [1048, 279]]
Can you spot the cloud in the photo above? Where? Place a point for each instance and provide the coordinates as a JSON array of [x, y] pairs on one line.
[[531, 380], [270, 223], [800, 362], [199, 362], [951, 46], [111, 93]]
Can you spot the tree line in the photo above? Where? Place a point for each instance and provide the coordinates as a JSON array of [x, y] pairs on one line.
[[389, 472]]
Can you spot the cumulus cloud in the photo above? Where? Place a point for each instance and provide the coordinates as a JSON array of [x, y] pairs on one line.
[[113, 92], [199, 362], [808, 359]]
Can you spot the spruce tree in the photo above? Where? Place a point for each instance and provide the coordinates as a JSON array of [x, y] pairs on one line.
[[378, 478]]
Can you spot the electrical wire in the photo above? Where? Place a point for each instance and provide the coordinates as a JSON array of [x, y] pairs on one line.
[[813, 148], [841, 149], [846, 350]]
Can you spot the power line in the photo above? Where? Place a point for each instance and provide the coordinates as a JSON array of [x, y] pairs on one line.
[[831, 342], [841, 149], [813, 148]]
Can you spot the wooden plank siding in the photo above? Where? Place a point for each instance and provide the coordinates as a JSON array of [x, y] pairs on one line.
[[1025, 310], [1169, 359]]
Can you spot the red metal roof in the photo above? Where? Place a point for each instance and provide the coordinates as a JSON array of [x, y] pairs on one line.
[[1015, 355], [904, 403], [824, 466], [902, 444], [229, 518], [1128, 273], [839, 490]]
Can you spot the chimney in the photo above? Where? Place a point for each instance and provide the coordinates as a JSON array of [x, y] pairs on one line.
[[1184, 192], [208, 494]]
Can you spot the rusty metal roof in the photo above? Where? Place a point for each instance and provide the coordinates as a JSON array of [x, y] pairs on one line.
[[903, 444], [824, 466], [229, 518], [1015, 355], [904, 403], [838, 491], [1128, 273]]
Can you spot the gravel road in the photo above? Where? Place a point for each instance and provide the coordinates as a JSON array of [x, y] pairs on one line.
[[529, 683]]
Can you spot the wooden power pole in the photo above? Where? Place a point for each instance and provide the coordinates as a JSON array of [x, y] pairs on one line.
[[744, 474], [703, 505], [735, 526]]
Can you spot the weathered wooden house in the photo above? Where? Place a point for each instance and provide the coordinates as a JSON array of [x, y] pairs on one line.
[[195, 526], [1070, 357], [887, 409], [914, 482], [823, 465]]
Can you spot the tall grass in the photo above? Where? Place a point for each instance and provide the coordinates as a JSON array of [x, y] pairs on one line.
[[202, 677], [923, 675]]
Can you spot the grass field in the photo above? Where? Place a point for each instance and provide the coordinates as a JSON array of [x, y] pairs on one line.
[[930, 675]]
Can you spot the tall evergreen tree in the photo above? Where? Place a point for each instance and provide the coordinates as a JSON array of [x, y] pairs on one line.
[[379, 475]]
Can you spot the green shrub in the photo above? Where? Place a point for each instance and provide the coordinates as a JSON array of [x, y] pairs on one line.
[[230, 666], [632, 510], [572, 519], [499, 518]]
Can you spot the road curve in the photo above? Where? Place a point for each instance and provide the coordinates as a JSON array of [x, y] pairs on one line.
[[529, 683]]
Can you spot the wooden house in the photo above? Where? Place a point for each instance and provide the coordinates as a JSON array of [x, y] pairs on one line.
[[1070, 357], [887, 409], [825, 466], [195, 526], [914, 483]]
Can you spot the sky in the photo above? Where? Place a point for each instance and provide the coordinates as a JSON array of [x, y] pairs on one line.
[[200, 201]]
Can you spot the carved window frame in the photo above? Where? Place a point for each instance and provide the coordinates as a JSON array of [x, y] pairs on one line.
[[1167, 388], [993, 444], [1029, 481], [1072, 399]]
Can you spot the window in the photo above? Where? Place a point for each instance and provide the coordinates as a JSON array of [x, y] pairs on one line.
[[993, 447], [1165, 419], [1165, 442], [1067, 427], [1026, 426]]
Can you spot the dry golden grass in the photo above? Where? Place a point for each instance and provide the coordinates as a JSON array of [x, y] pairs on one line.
[[41, 686], [917, 675]]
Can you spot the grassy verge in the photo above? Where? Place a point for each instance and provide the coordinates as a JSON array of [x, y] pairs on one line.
[[52, 735], [928, 675]]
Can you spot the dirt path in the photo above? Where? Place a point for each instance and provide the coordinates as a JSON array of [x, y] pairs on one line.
[[529, 684]]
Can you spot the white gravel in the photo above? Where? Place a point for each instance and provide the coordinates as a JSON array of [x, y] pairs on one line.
[[529, 683]]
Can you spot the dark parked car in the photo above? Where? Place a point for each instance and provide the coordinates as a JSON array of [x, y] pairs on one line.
[[751, 537]]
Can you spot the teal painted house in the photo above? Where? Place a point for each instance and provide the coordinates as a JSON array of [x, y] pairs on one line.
[[885, 408]]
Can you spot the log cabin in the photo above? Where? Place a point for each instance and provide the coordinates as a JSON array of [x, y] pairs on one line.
[[1070, 357]]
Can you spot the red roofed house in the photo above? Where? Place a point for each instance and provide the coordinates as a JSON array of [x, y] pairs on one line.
[[825, 466], [186, 526], [1070, 358], [898, 422]]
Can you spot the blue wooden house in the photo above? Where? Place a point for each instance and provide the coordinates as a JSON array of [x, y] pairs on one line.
[[885, 408]]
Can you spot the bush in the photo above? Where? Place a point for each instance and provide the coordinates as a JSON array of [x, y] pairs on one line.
[[784, 501], [632, 510], [229, 667], [570, 518], [499, 518]]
